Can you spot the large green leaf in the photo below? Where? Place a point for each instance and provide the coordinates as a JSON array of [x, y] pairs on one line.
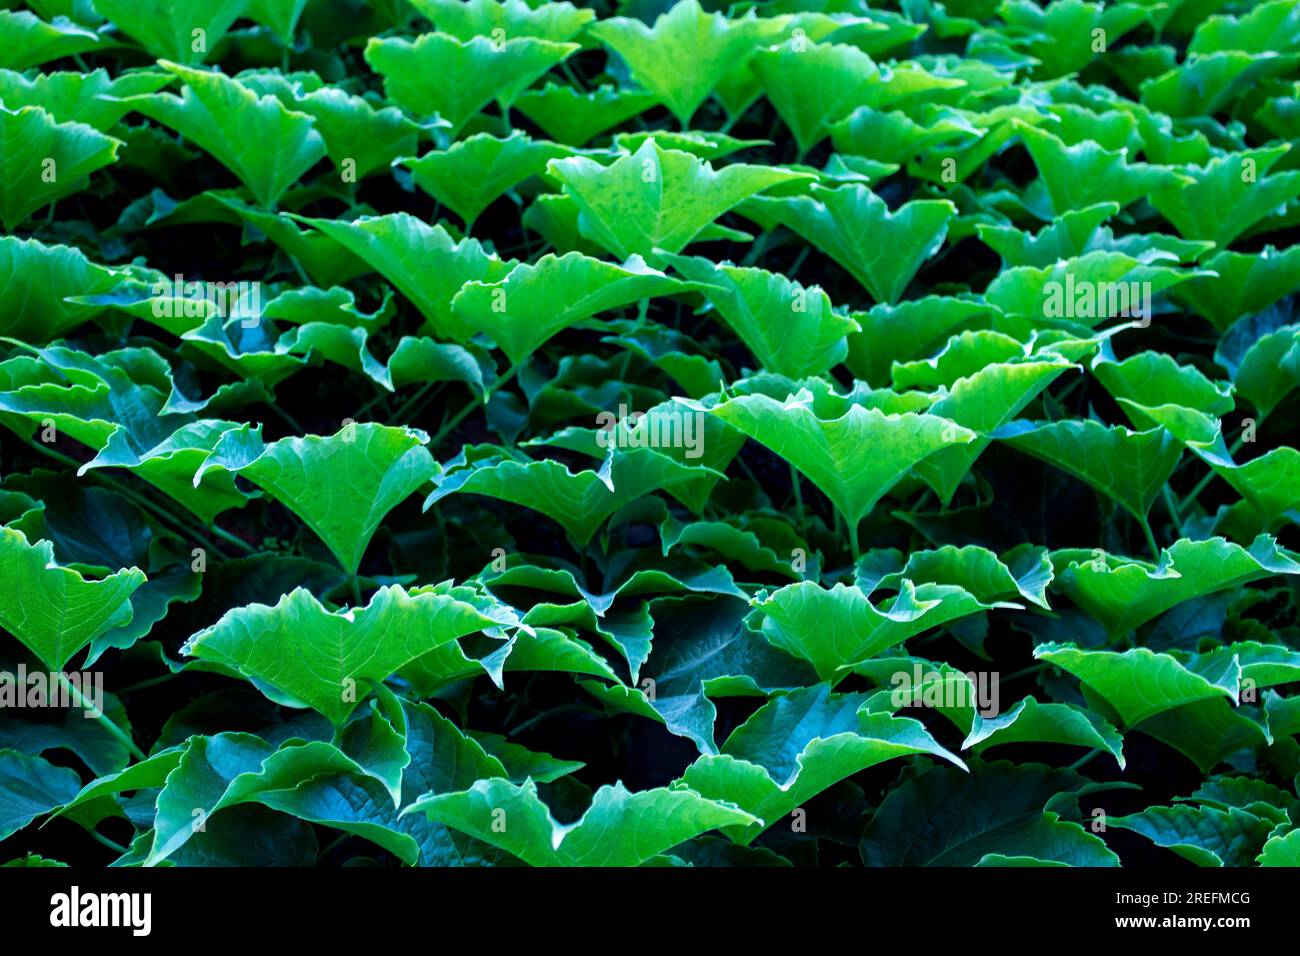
[[1227, 196], [1243, 284], [883, 249], [185, 31], [812, 85], [533, 302], [1123, 593], [683, 56], [257, 138], [1082, 175], [31, 787], [574, 118], [836, 628], [658, 198], [854, 457], [472, 173], [791, 329], [41, 161], [26, 40], [578, 501], [341, 486], [299, 652], [439, 74], [54, 610], [618, 829], [945, 817], [35, 281], [797, 745], [1140, 683], [1130, 467], [93, 98], [1207, 836], [424, 262]]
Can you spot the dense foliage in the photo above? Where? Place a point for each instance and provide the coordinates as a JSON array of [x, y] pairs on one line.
[[477, 432]]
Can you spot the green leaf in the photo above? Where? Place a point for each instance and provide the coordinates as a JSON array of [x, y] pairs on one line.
[[909, 330], [1062, 35], [1207, 83], [618, 829], [267, 146], [54, 610], [360, 139], [35, 280], [280, 16], [1267, 27], [854, 457], [1078, 232], [299, 652], [29, 788], [50, 727], [439, 74], [1205, 835], [797, 745], [1086, 174], [42, 161], [424, 262], [683, 56], [701, 649], [475, 18], [983, 403], [658, 198], [574, 118], [1130, 467], [443, 759], [1139, 683], [1025, 573], [93, 98], [185, 31], [474, 172], [1227, 196], [1029, 721], [1123, 593], [813, 85], [945, 817], [1084, 292], [26, 40], [534, 302], [883, 250], [836, 628], [1269, 370], [578, 501], [791, 329], [1150, 379], [896, 137], [1243, 284], [341, 486], [1281, 850]]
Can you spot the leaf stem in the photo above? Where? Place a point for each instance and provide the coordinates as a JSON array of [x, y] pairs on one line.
[[1168, 497], [1025, 672], [151, 682], [79, 699], [237, 541], [1190, 498], [1151, 538], [798, 497], [461, 415], [111, 844], [1085, 758]]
